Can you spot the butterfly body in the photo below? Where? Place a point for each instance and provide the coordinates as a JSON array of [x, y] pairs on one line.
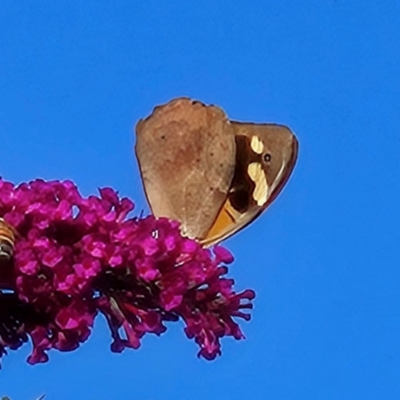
[[213, 175]]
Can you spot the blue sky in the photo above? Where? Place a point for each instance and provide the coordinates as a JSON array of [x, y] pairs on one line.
[[324, 261]]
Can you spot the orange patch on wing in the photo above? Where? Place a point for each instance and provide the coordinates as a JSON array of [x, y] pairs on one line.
[[227, 217]]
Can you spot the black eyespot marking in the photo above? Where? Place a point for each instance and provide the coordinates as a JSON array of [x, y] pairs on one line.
[[162, 137], [267, 157]]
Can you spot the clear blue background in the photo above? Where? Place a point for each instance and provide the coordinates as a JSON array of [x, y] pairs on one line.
[[324, 260]]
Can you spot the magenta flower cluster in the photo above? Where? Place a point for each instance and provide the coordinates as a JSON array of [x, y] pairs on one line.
[[76, 257]]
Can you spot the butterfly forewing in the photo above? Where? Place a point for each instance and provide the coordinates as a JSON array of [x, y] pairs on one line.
[[265, 157]]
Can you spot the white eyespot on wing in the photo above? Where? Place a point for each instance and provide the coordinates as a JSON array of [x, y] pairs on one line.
[[257, 175], [257, 145]]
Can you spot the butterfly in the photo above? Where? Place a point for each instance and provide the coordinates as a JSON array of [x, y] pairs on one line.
[[213, 175]]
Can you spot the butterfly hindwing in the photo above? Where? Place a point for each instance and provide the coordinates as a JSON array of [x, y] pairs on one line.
[[186, 154]]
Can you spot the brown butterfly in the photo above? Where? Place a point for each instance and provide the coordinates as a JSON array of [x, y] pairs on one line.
[[213, 175]]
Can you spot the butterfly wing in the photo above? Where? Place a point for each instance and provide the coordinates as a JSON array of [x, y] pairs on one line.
[[186, 154], [265, 157]]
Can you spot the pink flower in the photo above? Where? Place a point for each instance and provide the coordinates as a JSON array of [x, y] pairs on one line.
[[76, 257]]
